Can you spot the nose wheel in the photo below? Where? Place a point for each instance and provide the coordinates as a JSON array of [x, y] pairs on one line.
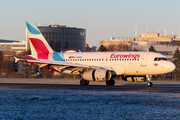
[[149, 84]]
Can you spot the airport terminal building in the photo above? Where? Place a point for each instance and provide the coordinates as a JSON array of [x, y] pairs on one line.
[[62, 37], [12, 47], [164, 44]]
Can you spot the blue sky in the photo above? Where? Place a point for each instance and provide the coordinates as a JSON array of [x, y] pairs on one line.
[[100, 18]]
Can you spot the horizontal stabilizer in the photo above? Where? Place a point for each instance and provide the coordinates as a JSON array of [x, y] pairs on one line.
[[16, 59]]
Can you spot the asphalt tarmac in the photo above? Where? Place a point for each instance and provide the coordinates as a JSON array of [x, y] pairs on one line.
[[159, 86]]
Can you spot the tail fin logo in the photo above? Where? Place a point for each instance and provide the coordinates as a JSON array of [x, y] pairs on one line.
[[38, 44], [32, 29]]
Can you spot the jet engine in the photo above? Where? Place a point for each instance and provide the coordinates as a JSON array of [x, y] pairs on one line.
[[134, 78], [97, 75]]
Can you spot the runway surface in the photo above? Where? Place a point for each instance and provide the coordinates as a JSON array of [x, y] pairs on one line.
[[93, 87], [159, 86]]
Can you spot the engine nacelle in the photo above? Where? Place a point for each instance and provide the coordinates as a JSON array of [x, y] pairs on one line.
[[134, 78], [97, 75]]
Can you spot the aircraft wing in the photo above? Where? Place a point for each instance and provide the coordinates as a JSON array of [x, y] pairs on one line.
[[61, 65]]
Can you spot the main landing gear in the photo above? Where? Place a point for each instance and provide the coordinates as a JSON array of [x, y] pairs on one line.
[[84, 82], [110, 82], [149, 84]]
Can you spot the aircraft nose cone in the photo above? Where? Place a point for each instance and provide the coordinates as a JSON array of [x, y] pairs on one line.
[[171, 67]]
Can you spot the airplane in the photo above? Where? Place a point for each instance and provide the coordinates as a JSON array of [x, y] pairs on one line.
[[96, 66]]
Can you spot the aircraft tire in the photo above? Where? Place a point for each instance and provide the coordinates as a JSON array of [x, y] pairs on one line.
[[87, 82], [149, 84], [84, 82], [110, 83]]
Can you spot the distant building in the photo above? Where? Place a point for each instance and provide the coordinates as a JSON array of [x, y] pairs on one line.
[[164, 44], [153, 37], [12, 47], [7, 41], [115, 41], [63, 37], [93, 48]]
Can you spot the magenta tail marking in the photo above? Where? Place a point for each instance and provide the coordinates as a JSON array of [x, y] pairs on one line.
[[40, 48]]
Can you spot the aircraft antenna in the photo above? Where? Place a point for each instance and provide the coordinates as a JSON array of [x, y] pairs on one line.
[[158, 30], [135, 31], [165, 31], [146, 29]]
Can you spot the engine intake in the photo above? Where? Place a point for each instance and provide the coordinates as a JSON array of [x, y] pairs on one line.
[[97, 75]]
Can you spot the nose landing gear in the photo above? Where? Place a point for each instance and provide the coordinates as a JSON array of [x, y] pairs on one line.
[[148, 77], [149, 84]]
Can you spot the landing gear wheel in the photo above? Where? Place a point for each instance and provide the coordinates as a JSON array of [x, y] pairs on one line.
[[84, 82], [110, 83], [149, 84], [87, 82]]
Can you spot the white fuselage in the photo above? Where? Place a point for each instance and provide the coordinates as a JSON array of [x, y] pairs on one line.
[[123, 63]]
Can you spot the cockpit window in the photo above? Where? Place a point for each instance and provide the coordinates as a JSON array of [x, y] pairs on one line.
[[165, 59], [155, 59], [160, 59]]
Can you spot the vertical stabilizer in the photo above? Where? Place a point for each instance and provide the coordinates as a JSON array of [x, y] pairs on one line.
[[38, 43]]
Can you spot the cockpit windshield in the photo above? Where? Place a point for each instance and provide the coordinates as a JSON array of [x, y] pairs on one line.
[[160, 59]]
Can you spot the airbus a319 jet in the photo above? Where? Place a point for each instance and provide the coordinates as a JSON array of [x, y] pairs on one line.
[[96, 66]]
